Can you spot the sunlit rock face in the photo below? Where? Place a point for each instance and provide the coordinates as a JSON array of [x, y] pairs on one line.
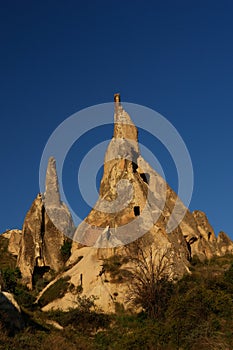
[[57, 210], [43, 230], [134, 200], [135, 204], [14, 239]]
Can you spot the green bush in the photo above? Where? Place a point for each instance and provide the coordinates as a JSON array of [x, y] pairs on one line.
[[55, 291], [82, 318], [24, 297], [10, 278], [66, 249], [7, 260], [113, 266]]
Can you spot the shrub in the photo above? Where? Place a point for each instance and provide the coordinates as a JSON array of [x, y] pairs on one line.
[[113, 266], [83, 318], [10, 278], [66, 249], [55, 291]]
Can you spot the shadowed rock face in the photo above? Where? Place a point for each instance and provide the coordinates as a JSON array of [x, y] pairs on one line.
[[41, 240], [10, 314]]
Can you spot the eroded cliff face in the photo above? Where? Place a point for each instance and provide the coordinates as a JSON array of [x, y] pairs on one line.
[[41, 241]]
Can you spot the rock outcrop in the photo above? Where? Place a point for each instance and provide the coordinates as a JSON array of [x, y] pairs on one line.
[[225, 245], [41, 242], [135, 202], [14, 241], [135, 199], [10, 314], [57, 211]]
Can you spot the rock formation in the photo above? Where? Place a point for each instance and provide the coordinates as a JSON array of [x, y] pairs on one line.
[[54, 207], [14, 241], [10, 314], [41, 242], [134, 199], [135, 202]]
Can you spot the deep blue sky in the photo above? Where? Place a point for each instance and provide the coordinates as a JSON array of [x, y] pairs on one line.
[[58, 57]]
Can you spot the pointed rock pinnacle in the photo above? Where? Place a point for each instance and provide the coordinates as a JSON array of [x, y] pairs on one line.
[[52, 193]]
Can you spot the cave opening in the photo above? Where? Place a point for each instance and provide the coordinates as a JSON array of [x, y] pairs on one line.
[[38, 273], [136, 210]]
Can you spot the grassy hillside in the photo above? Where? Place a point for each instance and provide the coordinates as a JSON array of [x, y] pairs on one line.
[[196, 313]]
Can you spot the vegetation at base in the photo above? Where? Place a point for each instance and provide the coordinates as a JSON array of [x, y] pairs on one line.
[[83, 318], [7, 260], [66, 249], [10, 277], [57, 290], [196, 313], [113, 266]]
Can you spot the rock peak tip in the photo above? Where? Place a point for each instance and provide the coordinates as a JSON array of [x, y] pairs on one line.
[[117, 97]]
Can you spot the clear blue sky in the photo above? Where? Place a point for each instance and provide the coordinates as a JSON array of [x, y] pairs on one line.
[[175, 57]]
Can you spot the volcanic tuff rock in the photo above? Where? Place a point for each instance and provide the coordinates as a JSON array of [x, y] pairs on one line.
[[55, 208], [225, 245], [135, 203], [134, 200], [14, 241], [41, 242]]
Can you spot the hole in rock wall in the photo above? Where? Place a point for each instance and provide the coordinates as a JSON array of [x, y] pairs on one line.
[[136, 210]]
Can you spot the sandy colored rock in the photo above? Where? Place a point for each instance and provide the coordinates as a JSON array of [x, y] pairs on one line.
[[41, 239], [135, 204], [225, 244], [14, 241]]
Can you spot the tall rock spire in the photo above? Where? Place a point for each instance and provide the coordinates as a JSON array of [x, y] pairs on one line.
[[57, 211], [124, 128], [134, 199], [52, 193], [134, 202], [45, 228], [132, 195]]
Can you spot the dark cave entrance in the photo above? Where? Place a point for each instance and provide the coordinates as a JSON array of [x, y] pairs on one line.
[[136, 210], [38, 273]]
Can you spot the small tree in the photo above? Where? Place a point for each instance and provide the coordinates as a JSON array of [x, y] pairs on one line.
[[10, 278], [66, 249], [151, 285]]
